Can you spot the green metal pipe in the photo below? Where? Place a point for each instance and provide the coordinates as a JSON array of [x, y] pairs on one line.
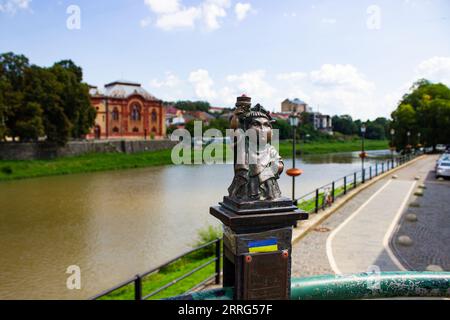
[[372, 286], [351, 287]]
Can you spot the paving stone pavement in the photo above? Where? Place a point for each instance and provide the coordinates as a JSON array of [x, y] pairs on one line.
[[358, 251], [431, 232]]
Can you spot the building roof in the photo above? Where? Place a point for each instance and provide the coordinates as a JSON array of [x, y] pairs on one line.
[[297, 101], [122, 89]]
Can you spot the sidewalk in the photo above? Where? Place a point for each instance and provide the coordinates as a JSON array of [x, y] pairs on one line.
[[355, 237]]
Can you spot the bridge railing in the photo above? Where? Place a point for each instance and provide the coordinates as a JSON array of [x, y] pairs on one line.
[[140, 281], [324, 196], [384, 285]]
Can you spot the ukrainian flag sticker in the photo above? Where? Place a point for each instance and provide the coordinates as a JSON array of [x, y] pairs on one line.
[[269, 245]]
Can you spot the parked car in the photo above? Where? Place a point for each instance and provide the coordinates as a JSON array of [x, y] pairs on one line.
[[443, 168], [441, 147]]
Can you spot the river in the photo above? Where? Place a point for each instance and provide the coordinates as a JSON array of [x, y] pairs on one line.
[[116, 224]]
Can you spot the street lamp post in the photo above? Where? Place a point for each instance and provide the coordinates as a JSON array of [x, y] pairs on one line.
[[363, 152], [294, 172], [408, 147], [392, 145], [419, 144]]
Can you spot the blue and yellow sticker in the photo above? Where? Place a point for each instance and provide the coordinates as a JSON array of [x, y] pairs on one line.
[[269, 245]]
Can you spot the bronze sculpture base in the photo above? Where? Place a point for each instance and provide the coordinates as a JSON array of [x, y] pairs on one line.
[[258, 272]]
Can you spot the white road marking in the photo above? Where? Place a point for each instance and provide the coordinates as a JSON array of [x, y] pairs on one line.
[[394, 223], [329, 248]]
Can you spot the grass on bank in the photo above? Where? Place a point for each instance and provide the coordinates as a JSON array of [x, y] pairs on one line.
[[11, 170], [322, 147], [177, 269]]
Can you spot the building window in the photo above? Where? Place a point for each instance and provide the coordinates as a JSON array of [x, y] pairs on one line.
[[135, 130], [154, 116], [115, 114], [116, 130], [135, 113]]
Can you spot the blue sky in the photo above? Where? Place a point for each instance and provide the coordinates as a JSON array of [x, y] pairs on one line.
[[343, 57]]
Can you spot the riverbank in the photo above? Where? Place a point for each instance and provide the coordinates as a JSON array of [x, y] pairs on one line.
[[13, 170], [323, 147]]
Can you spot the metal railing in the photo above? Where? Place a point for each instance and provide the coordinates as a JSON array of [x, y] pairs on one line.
[[384, 285], [139, 279], [324, 196]]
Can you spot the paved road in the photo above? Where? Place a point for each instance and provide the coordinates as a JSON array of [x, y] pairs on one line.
[[359, 232]]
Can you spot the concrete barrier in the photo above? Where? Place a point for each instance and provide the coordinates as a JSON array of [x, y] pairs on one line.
[[44, 151]]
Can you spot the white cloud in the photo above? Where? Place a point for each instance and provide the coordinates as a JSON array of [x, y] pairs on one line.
[[170, 81], [435, 69], [341, 76], [203, 84], [179, 19], [241, 10], [163, 6], [12, 6], [174, 14], [252, 83], [212, 10]]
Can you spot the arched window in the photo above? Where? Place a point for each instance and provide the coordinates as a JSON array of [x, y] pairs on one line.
[[135, 113], [154, 130], [115, 114], [116, 130], [135, 130], [154, 116]]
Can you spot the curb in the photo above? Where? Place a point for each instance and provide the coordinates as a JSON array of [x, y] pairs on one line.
[[318, 218]]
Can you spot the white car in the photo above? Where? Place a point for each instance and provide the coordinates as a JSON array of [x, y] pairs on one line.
[[443, 168], [440, 148]]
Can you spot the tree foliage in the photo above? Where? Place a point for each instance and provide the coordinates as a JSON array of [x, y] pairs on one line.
[[377, 129], [193, 105], [37, 102], [425, 110]]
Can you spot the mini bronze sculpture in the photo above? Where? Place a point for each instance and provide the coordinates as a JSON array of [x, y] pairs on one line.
[[257, 220], [257, 164]]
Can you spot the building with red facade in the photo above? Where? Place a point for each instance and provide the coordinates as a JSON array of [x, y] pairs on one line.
[[126, 110]]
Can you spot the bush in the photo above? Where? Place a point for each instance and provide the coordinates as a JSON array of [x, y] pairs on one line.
[[205, 236], [7, 170]]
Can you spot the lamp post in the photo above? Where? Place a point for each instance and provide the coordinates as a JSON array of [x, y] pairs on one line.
[[419, 144], [294, 172], [392, 144], [408, 147], [363, 154]]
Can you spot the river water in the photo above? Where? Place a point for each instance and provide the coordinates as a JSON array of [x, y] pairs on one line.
[[116, 224]]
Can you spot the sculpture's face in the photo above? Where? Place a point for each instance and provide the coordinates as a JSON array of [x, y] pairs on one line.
[[263, 129]]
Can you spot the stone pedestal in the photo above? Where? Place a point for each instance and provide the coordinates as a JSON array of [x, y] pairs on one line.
[[257, 247]]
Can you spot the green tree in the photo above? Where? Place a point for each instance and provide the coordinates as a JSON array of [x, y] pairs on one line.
[[425, 109], [27, 122], [375, 131], [284, 128], [43, 101], [75, 98], [344, 124], [404, 120], [43, 87], [193, 105]]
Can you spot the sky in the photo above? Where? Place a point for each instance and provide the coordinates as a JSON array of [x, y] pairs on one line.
[[352, 57]]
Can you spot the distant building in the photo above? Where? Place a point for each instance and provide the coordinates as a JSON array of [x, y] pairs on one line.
[[296, 105], [174, 117], [126, 110], [321, 122], [216, 110]]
